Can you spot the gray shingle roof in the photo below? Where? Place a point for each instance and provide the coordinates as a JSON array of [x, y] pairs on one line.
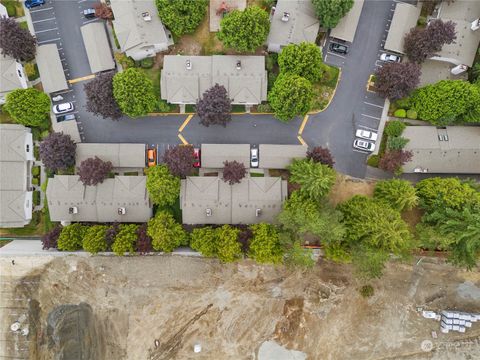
[[100, 203], [254, 200], [97, 47], [15, 161], [245, 85], [279, 156], [347, 27], [302, 24], [120, 155], [9, 79], [51, 69], [458, 153], [214, 155], [404, 18]]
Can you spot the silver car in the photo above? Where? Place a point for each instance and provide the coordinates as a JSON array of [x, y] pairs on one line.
[[364, 145], [390, 58], [63, 108], [367, 135], [254, 157]]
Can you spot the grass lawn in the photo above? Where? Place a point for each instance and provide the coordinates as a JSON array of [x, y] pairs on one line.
[[324, 89], [5, 118], [4, 242], [39, 225], [154, 75], [23, 25]]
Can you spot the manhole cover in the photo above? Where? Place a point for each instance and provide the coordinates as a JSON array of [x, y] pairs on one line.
[[427, 345]]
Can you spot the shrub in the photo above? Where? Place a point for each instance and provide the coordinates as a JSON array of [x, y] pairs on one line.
[[397, 193], [49, 240], [162, 106], [403, 103], [94, 240], [265, 246], [366, 291], [11, 9], [125, 239], [147, 63], [166, 233], [28, 107], [401, 113], [272, 77], [373, 160], [35, 181], [265, 108], [71, 237], [36, 171], [271, 61], [422, 21], [395, 128], [144, 242], [396, 142], [412, 114], [36, 198], [321, 155]]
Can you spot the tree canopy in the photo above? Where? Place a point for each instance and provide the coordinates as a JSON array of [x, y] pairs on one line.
[[397, 80], [397, 193], [290, 96], [179, 160], [71, 237], [233, 172], [125, 239], [315, 179], [321, 155], [331, 11], [100, 100], [181, 16], [57, 151], [393, 160], [16, 41], [214, 107], [29, 107], [265, 246], [304, 59], [134, 92], [245, 30], [221, 242], [166, 234], [447, 101], [163, 187], [94, 240], [93, 171]]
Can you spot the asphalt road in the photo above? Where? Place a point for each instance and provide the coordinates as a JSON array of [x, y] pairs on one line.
[[59, 22]]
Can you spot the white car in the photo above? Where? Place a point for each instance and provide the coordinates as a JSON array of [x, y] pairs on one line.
[[254, 157], [367, 135], [363, 145], [390, 57], [63, 108]]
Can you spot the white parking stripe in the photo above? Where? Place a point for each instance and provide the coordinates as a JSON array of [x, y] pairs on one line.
[[42, 31], [360, 151], [47, 41], [379, 106], [343, 57], [370, 116], [368, 128], [39, 21], [89, 21], [44, 9]]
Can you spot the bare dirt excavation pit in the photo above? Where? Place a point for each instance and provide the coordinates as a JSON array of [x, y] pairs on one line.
[[160, 307]]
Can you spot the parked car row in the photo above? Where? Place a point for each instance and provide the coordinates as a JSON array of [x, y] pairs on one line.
[[152, 157], [366, 140]]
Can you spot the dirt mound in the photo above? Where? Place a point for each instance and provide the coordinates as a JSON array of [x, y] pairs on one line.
[[71, 332]]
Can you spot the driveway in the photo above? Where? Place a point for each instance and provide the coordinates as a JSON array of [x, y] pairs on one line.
[[334, 128]]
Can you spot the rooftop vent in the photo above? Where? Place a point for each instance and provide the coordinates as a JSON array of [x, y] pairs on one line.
[[440, 138], [475, 25], [258, 212], [122, 211], [239, 65], [146, 16], [285, 16], [188, 65], [73, 210], [209, 212]]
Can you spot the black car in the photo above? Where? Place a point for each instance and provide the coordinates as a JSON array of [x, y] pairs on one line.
[[89, 13], [65, 117], [339, 48]]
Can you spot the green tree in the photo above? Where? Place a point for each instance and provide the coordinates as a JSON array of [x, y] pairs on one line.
[[245, 30], [316, 180], [228, 247], [438, 193], [331, 11], [297, 256], [181, 16], [204, 240], [369, 263], [125, 239], [301, 216], [94, 240], [304, 59], [265, 246], [166, 234], [397, 193], [163, 187], [71, 237], [395, 128], [290, 96], [29, 107], [447, 101], [134, 92]]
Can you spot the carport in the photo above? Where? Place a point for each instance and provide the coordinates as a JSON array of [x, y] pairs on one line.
[[347, 27], [404, 18], [51, 69], [97, 47]]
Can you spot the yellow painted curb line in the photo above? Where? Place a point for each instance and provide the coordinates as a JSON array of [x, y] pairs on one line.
[[185, 142], [185, 123], [299, 137], [304, 122], [88, 77]]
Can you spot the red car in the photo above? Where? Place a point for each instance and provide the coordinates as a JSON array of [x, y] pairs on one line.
[[196, 155]]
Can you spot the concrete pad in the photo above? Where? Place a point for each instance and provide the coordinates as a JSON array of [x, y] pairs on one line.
[[215, 5]]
